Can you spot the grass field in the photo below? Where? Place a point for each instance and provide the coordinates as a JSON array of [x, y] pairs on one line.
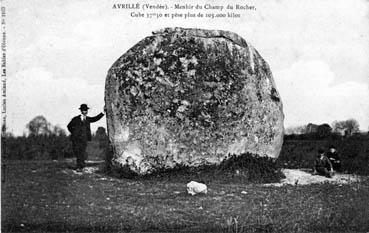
[[44, 196]]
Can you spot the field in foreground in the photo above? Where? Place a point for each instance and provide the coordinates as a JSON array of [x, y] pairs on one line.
[[44, 196]]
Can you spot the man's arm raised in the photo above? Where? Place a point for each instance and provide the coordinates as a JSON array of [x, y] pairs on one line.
[[95, 118]]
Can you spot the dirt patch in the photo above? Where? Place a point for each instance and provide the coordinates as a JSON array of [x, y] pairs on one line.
[[304, 177]]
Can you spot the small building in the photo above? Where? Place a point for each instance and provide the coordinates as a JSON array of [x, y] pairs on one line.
[[322, 130]]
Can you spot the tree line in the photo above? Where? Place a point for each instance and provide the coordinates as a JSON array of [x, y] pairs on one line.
[[346, 128], [44, 141]]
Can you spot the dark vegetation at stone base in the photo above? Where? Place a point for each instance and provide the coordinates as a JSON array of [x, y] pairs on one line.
[[41, 196], [245, 168]]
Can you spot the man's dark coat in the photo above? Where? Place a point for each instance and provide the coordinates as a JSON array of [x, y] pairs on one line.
[[81, 131]]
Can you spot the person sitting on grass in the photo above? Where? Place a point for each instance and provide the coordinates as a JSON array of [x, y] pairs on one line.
[[322, 165], [334, 158]]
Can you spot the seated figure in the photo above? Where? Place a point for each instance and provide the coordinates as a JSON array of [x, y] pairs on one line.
[[322, 165], [334, 158]]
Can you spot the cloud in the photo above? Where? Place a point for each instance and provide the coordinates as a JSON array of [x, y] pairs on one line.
[[36, 91], [309, 95], [334, 31]]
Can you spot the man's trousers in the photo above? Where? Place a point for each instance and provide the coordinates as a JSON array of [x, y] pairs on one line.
[[323, 171], [79, 150]]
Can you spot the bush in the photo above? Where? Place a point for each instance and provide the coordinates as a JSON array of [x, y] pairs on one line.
[[36, 147]]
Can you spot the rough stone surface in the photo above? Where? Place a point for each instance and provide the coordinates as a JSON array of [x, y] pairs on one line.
[[191, 97], [194, 188]]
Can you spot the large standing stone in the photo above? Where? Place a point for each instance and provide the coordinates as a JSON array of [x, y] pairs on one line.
[[191, 97]]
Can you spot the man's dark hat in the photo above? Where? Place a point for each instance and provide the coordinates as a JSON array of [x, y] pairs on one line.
[[321, 150], [84, 107]]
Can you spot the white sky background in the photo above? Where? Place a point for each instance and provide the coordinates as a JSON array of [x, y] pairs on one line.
[[59, 53]]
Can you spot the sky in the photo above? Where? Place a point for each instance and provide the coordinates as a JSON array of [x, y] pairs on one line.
[[59, 52]]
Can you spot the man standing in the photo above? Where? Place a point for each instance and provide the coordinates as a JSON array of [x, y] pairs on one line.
[[80, 130]]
